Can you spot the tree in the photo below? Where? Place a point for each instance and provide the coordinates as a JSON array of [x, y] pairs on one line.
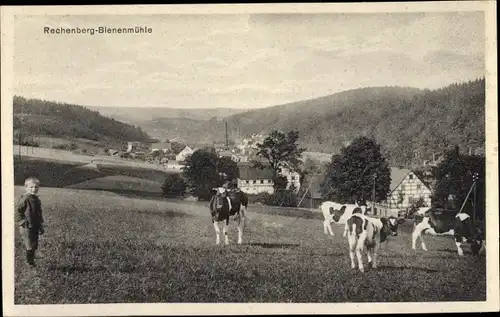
[[350, 175], [173, 186], [280, 150], [455, 178], [204, 170]]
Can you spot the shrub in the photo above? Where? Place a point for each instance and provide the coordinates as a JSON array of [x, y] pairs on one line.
[[29, 143], [173, 186], [283, 198]]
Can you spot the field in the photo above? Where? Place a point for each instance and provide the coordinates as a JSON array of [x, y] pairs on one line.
[[103, 247]]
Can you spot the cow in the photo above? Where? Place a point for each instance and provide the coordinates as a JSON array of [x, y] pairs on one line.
[[366, 234], [442, 222], [338, 213], [225, 204]]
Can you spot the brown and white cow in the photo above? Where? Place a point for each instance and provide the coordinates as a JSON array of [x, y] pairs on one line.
[[441, 222], [365, 235], [338, 213]]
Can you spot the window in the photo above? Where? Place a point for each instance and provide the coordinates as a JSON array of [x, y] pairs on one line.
[[293, 178], [402, 188], [262, 181], [248, 182], [419, 186], [254, 182], [411, 176]]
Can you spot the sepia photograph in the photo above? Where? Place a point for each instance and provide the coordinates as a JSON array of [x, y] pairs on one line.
[[341, 155]]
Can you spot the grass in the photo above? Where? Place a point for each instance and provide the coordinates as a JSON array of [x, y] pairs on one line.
[[62, 173], [101, 247]]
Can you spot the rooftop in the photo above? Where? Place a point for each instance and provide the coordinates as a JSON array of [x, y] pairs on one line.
[[397, 176], [247, 172]]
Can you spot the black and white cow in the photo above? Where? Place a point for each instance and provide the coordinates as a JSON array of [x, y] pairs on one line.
[[338, 213], [224, 205], [365, 235], [441, 222]]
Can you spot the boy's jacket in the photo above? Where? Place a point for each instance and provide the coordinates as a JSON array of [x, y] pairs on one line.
[[29, 211]]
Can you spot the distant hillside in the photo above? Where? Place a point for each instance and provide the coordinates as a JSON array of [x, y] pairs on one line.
[[39, 117], [402, 119], [143, 114]]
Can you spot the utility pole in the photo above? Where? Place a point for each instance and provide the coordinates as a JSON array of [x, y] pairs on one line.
[[226, 136], [474, 179], [373, 193]]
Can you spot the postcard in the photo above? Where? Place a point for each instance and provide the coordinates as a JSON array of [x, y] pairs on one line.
[[249, 159]]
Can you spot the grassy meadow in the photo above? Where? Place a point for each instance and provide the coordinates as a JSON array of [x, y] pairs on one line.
[[111, 238], [102, 247]]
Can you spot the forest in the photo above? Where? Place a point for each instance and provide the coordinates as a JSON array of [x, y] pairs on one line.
[[48, 118]]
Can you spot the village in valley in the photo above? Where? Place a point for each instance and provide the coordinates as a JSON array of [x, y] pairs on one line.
[[407, 186]]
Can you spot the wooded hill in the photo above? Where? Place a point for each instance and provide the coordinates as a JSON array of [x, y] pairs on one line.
[[40, 117], [405, 121]]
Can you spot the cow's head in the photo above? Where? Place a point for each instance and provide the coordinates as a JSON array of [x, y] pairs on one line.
[[391, 225], [220, 193], [359, 210], [337, 213]]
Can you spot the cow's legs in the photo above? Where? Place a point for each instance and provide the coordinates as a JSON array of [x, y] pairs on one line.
[[224, 231], [328, 227], [217, 232], [325, 226], [359, 250], [352, 247], [458, 242], [375, 254], [370, 257], [417, 233], [241, 225], [359, 255]]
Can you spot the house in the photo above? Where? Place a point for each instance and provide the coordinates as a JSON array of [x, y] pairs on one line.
[[225, 153], [249, 145], [112, 152], [161, 146], [292, 177], [253, 180], [132, 146], [173, 165], [182, 155], [406, 187]]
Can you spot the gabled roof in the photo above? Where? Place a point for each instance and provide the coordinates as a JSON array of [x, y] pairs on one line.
[[397, 176], [248, 172], [428, 181]]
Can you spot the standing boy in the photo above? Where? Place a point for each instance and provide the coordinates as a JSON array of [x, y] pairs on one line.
[[29, 218]]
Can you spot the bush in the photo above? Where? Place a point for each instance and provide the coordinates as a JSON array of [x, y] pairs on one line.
[[29, 143], [283, 198], [66, 147], [173, 186]]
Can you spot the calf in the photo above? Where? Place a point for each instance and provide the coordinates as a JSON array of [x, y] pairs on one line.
[[338, 213], [366, 234], [439, 222]]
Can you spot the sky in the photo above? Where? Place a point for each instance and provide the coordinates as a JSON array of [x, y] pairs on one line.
[[242, 60]]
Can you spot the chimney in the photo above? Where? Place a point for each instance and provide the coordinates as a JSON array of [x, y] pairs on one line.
[[226, 135]]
